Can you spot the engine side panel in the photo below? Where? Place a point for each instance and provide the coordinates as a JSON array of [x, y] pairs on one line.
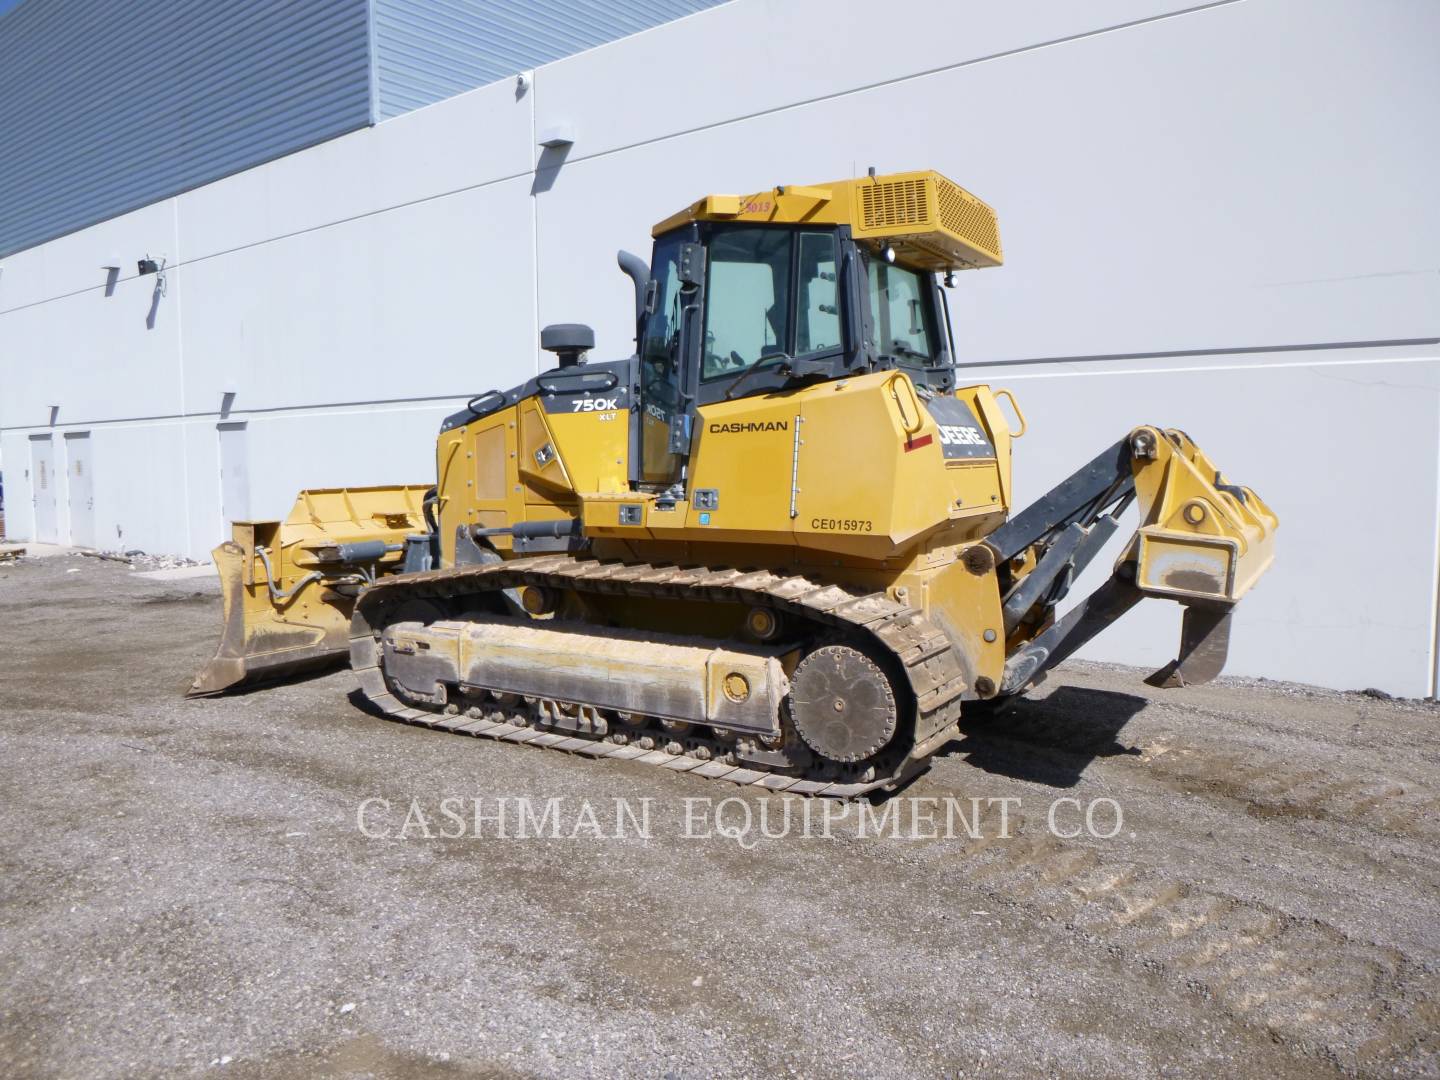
[[528, 461]]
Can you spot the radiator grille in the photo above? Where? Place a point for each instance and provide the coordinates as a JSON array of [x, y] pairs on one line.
[[898, 202], [929, 221], [966, 217]]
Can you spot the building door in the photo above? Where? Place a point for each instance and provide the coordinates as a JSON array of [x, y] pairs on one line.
[[81, 488], [42, 485], [234, 474]]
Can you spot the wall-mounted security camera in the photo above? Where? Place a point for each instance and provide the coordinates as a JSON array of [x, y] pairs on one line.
[[148, 265]]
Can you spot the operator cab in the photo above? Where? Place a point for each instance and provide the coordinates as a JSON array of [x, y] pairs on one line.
[[737, 310]]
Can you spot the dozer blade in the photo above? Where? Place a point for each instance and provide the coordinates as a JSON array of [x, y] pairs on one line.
[[258, 642], [288, 588], [1204, 643]]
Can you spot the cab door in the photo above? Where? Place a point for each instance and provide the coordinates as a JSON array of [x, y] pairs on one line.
[[661, 440]]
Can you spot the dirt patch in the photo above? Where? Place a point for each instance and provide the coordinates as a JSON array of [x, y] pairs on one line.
[[185, 885]]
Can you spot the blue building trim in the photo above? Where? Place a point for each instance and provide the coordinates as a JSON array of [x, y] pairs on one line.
[[106, 107], [428, 50]]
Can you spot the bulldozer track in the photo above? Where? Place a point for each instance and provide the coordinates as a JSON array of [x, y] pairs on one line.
[[934, 673]]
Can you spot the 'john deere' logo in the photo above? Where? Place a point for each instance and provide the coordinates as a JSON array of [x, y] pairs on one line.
[[753, 425], [961, 435]]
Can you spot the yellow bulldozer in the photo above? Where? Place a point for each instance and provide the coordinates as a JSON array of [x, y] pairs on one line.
[[772, 547]]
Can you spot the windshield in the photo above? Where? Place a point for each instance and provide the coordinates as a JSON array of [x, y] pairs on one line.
[[771, 295], [903, 322], [747, 308]]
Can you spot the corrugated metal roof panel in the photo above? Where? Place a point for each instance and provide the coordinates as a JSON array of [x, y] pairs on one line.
[[428, 50], [104, 108]]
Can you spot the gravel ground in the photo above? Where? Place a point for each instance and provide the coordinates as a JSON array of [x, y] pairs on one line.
[[186, 887]]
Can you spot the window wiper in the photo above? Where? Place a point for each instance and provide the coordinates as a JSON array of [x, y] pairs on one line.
[[766, 362], [901, 351]]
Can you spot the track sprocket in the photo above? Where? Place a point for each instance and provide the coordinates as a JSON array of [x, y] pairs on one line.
[[842, 704]]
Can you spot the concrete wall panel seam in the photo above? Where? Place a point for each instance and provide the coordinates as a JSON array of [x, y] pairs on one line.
[[1434, 691], [898, 80], [1323, 346]]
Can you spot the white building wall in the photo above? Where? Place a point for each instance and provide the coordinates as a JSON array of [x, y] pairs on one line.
[[1218, 217]]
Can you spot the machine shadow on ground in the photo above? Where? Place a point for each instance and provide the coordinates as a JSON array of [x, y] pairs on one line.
[[358, 699], [1050, 740]]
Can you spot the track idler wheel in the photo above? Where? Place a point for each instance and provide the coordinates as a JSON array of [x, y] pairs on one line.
[[842, 704]]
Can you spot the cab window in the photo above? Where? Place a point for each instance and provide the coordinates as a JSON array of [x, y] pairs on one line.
[[771, 294], [900, 308], [746, 314], [817, 328], [659, 347], [660, 366]]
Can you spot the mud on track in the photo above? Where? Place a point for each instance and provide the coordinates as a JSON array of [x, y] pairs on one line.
[[183, 882]]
